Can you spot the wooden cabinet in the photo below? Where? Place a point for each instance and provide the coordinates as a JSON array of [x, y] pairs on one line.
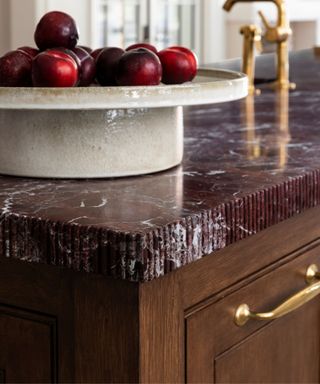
[[60, 326], [285, 350], [197, 340]]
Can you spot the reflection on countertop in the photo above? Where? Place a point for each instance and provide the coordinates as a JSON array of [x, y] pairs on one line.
[[248, 165], [278, 142]]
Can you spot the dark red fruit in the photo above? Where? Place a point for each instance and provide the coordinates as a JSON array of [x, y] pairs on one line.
[[54, 68], [87, 70], [56, 29], [88, 49], [33, 52], [15, 69], [192, 58], [107, 64], [139, 67], [96, 53], [151, 48], [176, 66], [69, 52]]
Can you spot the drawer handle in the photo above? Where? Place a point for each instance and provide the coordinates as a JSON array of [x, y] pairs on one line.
[[243, 312]]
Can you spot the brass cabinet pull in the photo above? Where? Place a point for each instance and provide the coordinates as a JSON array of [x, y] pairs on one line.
[[243, 312]]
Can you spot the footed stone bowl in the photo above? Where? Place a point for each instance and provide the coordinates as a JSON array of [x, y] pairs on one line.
[[100, 132]]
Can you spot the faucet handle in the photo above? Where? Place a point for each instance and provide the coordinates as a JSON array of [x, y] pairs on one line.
[[275, 33], [271, 32], [264, 20]]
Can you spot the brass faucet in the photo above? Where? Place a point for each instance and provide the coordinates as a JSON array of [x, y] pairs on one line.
[[251, 40], [278, 34]]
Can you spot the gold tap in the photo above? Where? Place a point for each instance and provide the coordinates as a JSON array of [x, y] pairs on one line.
[[278, 34], [252, 38]]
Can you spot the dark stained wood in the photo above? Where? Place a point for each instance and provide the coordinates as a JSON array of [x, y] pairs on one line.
[[28, 346], [97, 320], [212, 334], [2, 376], [44, 290], [283, 352], [202, 283], [106, 328], [161, 332]]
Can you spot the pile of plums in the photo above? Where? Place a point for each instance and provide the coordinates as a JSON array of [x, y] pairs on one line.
[[59, 62]]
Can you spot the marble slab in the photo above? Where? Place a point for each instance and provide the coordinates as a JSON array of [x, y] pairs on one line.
[[248, 165]]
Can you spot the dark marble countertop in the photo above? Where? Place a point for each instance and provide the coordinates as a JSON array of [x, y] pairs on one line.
[[248, 165]]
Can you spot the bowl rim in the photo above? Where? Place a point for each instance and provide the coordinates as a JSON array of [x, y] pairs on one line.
[[210, 86]]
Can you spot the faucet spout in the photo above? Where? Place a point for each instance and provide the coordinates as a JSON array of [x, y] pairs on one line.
[[228, 5], [280, 4]]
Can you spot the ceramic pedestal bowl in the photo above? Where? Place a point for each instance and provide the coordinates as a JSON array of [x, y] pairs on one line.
[[103, 131]]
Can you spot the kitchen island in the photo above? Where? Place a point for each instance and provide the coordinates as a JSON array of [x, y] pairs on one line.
[[138, 279]]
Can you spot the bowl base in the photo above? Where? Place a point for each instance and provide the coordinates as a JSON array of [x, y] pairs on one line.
[[90, 143]]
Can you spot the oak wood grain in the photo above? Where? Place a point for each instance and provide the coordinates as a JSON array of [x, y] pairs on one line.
[[211, 332], [161, 332], [285, 352], [106, 328], [28, 347], [46, 291]]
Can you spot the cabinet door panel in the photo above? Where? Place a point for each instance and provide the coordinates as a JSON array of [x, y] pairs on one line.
[[27, 352], [276, 353], [285, 350]]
